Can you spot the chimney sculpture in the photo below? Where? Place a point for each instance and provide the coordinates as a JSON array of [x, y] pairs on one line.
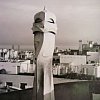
[[44, 30]]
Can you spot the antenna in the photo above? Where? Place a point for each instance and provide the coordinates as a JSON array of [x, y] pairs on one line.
[[44, 8], [44, 4]]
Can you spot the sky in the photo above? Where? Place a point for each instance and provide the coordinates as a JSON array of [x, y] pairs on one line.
[[76, 20]]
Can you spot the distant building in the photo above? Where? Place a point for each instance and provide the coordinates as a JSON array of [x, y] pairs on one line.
[[80, 47], [93, 57], [20, 66], [67, 63], [91, 46]]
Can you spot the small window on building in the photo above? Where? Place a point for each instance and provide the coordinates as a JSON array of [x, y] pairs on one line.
[[92, 61], [31, 61], [9, 83], [22, 85]]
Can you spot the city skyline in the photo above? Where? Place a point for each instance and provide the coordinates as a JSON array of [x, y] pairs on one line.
[[77, 20]]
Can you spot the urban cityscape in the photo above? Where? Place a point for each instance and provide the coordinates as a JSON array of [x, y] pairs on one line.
[[84, 60], [71, 64]]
